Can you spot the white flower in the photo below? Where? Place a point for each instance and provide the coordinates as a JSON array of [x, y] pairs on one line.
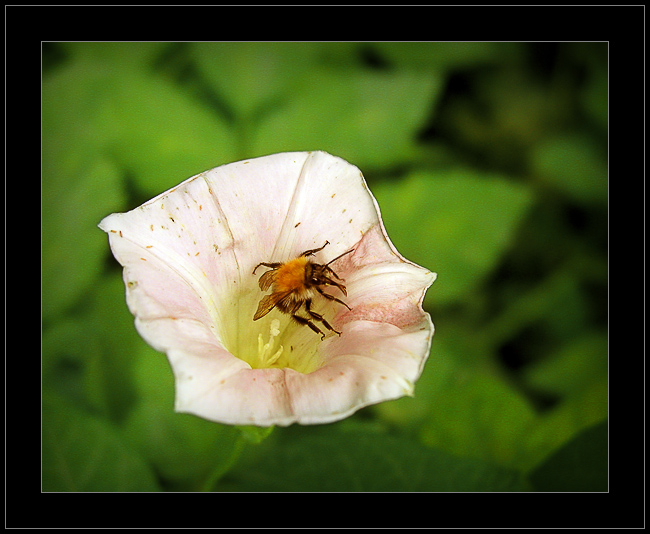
[[189, 256]]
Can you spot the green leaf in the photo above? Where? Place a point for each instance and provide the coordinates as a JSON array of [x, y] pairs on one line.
[[73, 249], [479, 416], [585, 407], [327, 460], [80, 186], [446, 56], [114, 55], [455, 223], [595, 95], [463, 404], [90, 357], [580, 465], [72, 98], [160, 134], [184, 449], [574, 165], [368, 118], [82, 452], [154, 130], [578, 364], [250, 76], [557, 302], [64, 345], [110, 331]]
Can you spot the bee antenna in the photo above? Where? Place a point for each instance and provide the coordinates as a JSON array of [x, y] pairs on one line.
[[332, 261]]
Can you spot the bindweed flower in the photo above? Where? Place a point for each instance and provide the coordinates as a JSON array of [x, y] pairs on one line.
[[189, 256]]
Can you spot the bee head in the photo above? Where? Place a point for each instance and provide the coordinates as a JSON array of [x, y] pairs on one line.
[[322, 275]]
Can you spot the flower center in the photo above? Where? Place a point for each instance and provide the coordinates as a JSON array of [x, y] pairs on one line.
[[267, 354]]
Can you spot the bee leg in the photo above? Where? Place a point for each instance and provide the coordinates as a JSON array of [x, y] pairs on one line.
[[314, 250], [272, 265], [319, 317], [332, 297], [307, 322]]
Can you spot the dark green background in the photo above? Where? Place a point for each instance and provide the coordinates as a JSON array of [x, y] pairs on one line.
[[489, 163]]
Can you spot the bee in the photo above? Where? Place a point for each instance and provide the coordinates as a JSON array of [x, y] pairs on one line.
[[295, 283]]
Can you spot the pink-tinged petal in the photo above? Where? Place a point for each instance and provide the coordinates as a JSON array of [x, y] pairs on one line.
[[245, 397], [188, 258], [382, 285], [377, 362]]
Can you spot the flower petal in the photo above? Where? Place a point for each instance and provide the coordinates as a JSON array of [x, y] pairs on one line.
[[377, 362], [382, 285]]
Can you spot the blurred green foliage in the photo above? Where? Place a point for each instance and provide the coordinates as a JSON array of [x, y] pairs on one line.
[[489, 163]]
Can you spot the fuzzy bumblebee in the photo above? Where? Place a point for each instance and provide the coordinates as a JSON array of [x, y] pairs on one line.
[[295, 283]]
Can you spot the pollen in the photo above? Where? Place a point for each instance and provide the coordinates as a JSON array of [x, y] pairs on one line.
[[291, 276]]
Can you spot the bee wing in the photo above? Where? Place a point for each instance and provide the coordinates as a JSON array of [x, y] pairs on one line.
[[268, 303], [267, 279]]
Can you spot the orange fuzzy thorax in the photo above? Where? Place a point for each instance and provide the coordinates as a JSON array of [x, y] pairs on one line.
[[291, 276]]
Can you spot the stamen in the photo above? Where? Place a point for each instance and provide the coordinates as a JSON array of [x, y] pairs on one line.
[[264, 349]]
